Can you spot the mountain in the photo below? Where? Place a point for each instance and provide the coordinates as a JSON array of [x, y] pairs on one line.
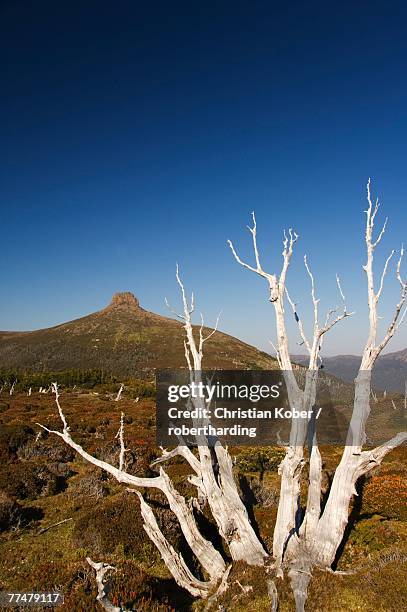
[[390, 371], [122, 339]]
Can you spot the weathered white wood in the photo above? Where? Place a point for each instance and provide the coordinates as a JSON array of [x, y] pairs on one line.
[[222, 588], [332, 524], [316, 541], [287, 521], [290, 467], [219, 489], [173, 560], [119, 393], [273, 595], [204, 550], [103, 589], [299, 576], [120, 436], [313, 507], [355, 463]]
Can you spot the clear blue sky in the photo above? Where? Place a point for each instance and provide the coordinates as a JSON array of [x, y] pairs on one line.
[[137, 134]]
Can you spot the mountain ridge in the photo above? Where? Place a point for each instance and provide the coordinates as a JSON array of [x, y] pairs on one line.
[[121, 338], [389, 373]]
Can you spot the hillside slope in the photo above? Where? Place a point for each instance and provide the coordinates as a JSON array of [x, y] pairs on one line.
[[122, 339], [390, 371]]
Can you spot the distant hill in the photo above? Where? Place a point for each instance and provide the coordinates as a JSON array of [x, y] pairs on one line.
[[390, 372], [122, 339]]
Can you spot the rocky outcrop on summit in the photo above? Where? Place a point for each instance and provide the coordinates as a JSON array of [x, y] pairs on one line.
[[124, 299]]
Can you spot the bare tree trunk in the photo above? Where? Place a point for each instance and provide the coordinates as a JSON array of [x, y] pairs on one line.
[[273, 595], [219, 490], [230, 513], [300, 576], [119, 393], [215, 484], [301, 542]]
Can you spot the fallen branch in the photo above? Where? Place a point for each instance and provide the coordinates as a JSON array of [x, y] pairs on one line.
[[41, 531]]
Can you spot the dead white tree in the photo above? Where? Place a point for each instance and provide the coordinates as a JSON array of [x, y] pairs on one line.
[[213, 478], [119, 393], [306, 538], [303, 538], [12, 387], [206, 553], [120, 436]]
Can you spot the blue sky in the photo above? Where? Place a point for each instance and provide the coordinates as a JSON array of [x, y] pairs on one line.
[[134, 135]]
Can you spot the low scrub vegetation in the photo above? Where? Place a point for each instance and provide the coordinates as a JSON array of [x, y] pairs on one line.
[[42, 482]]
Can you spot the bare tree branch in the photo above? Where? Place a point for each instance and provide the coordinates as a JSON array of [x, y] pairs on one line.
[[208, 556], [372, 458], [298, 321], [258, 269], [386, 265], [173, 560], [315, 300], [182, 451], [203, 338], [54, 387]]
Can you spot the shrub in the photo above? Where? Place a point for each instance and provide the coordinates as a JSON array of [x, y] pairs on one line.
[[112, 522], [260, 459], [264, 494], [386, 495], [136, 462], [12, 439], [29, 481], [14, 515], [92, 485], [372, 534], [134, 589], [4, 406], [47, 447], [10, 511]]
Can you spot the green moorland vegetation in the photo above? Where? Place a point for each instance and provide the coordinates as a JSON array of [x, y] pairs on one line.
[[70, 379], [43, 482]]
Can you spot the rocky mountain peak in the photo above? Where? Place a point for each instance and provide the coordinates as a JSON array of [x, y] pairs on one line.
[[124, 298]]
